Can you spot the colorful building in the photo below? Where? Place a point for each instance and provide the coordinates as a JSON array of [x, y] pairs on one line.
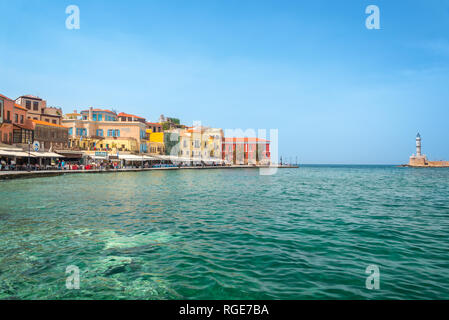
[[244, 151], [102, 130], [15, 128], [201, 143], [156, 138]]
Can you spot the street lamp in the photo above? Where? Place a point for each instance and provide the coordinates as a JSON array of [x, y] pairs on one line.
[[29, 154]]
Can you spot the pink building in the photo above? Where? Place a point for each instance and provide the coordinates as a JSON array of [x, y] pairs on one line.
[[246, 151]]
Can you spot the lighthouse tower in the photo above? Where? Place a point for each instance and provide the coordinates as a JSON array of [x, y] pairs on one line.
[[418, 145], [418, 159]]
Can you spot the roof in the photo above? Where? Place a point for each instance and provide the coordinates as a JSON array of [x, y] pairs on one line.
[[5, 97], [48, 124], [30, 97], [100, 110], [19, 107], [245, 139], [122, 114], [154, 124], [26, 126]]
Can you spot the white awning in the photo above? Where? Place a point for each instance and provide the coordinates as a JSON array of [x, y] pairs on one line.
[[94, 157], [21, 154], [131, 157], [46, 155]]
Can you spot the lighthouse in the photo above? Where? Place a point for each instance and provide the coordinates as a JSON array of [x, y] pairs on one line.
[[418, 145], [418, 159]]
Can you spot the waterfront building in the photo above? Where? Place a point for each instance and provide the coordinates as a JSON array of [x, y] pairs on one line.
[[245, 151], [6, 114], [15, 128], [171, 142], [156, 138], [420, 160], [201, 143], [50, 136], [102, 130], [37, 109]]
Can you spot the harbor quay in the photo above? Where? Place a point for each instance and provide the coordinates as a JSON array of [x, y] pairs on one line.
[[8, 175]]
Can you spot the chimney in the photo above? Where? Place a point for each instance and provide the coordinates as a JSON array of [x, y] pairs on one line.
[[91, 113]]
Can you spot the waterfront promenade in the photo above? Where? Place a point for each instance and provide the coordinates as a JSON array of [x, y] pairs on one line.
[[7, 175]]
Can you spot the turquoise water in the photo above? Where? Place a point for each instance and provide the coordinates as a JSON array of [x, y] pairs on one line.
[[305, 233]]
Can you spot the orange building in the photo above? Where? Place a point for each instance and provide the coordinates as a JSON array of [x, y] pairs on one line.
[[15, 128]]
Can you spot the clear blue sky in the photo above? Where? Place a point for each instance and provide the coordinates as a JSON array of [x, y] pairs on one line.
[[337, 92]]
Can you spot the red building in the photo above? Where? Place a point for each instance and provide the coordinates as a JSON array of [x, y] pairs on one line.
[[15, 128], [246, 151]]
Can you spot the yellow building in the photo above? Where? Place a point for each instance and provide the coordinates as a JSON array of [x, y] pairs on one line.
[[201, 143], [156, 142]]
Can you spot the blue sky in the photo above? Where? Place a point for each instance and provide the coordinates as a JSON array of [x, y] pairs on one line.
[[337, 92]]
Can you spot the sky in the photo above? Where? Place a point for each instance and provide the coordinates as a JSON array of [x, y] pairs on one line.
[[336, 91]]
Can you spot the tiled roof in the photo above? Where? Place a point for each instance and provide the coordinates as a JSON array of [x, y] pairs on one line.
[[5, 97], [19, 106], [48, 124], [122, 114]]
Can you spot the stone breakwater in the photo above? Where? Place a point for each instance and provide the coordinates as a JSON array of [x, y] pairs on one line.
[[7, 175]]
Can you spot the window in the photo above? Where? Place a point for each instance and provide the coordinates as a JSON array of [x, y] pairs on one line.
[[100, 132], [28, 104], [35, 105], [21, 118], [100, 117], [8, 115], [81, 132], [1, 113], [70, 131], [94, 117]]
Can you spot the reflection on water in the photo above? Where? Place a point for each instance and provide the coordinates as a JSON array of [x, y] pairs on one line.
[[305, 233]]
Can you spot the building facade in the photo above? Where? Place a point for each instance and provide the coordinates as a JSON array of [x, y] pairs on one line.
[[37, 109], [102, 130], [15, 128], [201, 143], [246, 151], [50, 136], [6, 114]]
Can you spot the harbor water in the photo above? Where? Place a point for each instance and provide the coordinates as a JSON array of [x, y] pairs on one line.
[[307, 233]]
